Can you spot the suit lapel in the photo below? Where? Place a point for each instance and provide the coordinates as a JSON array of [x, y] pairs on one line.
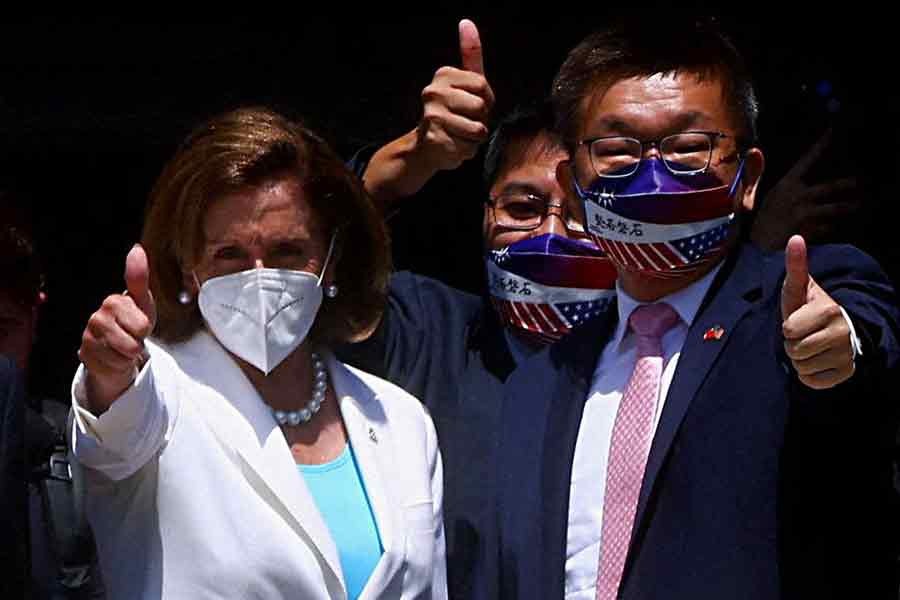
[[246, 430], [572, 362], [371, 440], [730, 297]]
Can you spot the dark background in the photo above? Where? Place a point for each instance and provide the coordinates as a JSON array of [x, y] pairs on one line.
[[90, 110]]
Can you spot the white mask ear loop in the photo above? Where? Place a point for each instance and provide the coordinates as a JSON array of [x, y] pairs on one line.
[[327, 258], [197, 281]]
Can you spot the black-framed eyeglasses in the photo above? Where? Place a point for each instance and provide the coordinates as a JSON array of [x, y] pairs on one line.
[[523, 211], [686, 153]]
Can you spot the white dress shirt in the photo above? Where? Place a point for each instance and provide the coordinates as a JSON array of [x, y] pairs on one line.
[[595, 433]]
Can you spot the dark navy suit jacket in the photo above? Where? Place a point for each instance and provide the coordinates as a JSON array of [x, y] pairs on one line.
[[756, 487]]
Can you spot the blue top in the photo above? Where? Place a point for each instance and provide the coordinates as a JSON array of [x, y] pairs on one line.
[[455, 359], [340, 495]]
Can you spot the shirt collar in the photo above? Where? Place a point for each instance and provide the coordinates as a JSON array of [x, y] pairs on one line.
[[685, 301]]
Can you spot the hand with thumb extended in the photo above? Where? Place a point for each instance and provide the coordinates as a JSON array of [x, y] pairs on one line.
[[112, 345], [456, 106], [816, 334]]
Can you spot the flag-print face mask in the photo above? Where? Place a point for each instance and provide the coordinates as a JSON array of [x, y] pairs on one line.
[[545, 286], [658, 223]]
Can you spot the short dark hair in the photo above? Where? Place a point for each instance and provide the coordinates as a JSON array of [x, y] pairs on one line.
[[525, 122], [646, 47]]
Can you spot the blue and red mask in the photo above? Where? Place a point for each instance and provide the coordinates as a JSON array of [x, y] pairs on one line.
[[546, 286], [658, 223]]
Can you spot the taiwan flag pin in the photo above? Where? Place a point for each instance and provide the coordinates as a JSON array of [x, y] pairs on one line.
[[713, 333]]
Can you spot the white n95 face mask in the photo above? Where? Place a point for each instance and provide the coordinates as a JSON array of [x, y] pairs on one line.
[[262, 315]]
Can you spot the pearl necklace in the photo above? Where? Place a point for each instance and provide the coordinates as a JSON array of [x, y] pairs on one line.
[[320, 386]]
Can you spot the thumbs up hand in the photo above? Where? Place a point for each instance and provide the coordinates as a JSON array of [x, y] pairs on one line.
[[456, 106], [112, 346], [816, 334]]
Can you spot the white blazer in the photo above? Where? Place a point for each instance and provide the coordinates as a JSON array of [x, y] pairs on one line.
[[193, 493]]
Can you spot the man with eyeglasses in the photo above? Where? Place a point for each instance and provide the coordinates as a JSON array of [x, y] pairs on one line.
[[725, 431], [545, 276], [452, 349]]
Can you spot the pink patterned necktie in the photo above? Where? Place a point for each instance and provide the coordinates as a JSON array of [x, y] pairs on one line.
[[630, 445]]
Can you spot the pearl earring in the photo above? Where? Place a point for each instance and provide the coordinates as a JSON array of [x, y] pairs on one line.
[[331, 291], [184, 297]]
